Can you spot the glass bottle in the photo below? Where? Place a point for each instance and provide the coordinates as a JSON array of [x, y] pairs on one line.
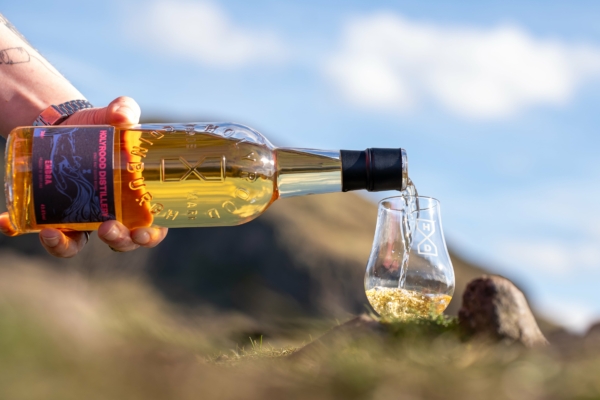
[[173, 175]]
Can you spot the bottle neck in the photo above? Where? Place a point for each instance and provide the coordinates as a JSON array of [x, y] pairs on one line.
[[308, 171]]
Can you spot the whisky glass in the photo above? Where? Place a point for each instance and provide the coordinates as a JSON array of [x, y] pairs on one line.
[[409, 272]]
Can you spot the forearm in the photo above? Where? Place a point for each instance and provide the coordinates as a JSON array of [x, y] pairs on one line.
[[28, 83]]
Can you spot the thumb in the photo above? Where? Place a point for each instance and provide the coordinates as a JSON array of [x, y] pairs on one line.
[[121, 111]]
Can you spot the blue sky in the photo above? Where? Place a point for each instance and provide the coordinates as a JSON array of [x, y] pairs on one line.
[[495, 102]]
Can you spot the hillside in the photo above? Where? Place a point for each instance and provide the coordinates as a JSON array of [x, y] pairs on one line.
[[304, 257]]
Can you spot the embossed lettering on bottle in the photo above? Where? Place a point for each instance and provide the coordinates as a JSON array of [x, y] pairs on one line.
[[196, 174]]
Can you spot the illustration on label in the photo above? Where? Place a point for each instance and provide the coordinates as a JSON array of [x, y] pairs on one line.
[[73, 174]]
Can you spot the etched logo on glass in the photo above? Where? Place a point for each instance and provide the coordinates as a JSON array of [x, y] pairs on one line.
[[426, 246]]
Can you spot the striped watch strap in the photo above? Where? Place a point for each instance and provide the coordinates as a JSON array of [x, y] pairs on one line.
[[55, 114]]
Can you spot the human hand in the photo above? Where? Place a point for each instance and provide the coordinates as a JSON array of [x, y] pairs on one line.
[[64, 243]]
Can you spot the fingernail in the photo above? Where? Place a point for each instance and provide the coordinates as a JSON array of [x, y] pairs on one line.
[[142, 237], [127, 111], [112, 234], [50, 239]]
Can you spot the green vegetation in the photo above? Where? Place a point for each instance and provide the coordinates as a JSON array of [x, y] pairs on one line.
[[65, 337]]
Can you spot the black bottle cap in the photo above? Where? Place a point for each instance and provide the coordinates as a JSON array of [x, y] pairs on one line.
[[374, 169]]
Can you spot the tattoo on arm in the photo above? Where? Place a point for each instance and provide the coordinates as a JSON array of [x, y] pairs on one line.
[[20, 55], [14, 55]]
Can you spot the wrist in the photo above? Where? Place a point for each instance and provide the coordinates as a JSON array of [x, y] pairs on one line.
[[24, 107]]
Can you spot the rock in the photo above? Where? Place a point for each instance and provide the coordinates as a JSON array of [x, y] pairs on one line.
[[493, 307]]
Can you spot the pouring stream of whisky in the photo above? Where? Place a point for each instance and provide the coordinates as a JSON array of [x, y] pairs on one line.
[[409, 196]]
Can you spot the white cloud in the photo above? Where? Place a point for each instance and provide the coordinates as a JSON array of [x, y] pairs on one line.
[[386, 62], [204, 33]]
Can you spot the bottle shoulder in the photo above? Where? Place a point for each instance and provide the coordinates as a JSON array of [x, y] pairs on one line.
[[227, 130]]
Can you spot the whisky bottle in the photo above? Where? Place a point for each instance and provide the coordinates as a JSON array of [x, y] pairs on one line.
[[178, 175]]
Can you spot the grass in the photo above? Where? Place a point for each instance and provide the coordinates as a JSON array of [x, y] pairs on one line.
[[256, 351], [64, 337]]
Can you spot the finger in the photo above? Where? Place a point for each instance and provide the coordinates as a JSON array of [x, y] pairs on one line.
[[121, 111], [148, 237], [6, 227], [117, 236], [64, 244]]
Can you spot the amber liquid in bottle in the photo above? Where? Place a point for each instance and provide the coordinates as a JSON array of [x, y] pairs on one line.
[[184, 176]]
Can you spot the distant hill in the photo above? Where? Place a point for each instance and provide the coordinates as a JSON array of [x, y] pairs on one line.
[[305, 256]]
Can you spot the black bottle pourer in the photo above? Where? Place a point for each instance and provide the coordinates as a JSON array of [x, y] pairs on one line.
[[374, 169]]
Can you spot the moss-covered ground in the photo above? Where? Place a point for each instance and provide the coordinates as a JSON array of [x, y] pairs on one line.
[[63, 337]]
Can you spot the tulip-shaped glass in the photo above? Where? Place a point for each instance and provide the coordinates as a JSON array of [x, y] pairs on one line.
[[409, 273]]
